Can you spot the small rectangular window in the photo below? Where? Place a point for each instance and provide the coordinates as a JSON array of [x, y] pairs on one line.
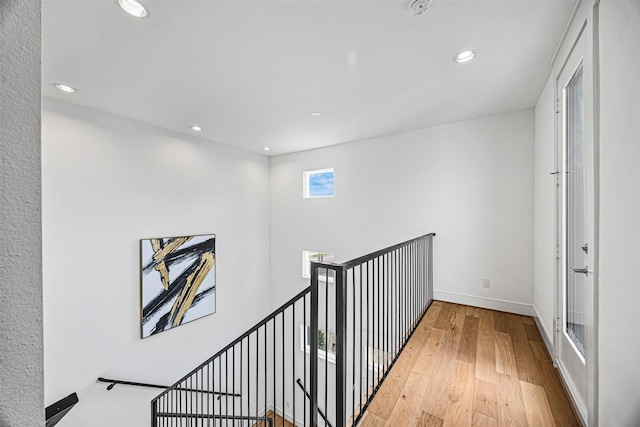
[[325, 340], [308, 256], [318, 183]]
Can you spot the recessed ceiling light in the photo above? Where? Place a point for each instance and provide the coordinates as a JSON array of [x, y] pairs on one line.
[[316, 114], [134, 8], [65, 88], [464, 56], [266, 149], [196, 128]]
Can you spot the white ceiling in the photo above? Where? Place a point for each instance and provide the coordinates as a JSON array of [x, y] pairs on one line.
[[251, 72]]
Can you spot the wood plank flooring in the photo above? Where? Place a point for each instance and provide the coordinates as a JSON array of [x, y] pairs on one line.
[[279, 422], [469, 366]]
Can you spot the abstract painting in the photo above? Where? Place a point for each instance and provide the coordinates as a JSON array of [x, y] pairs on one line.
[[178, 281]]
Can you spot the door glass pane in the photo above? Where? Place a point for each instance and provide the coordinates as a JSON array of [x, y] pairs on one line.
[[576, 282]]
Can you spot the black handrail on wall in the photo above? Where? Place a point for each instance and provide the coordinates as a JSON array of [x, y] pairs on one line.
[[349, 339], [112, 383]]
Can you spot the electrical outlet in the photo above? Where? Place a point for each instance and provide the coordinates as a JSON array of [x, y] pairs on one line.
[[486, 283], [288, 404]]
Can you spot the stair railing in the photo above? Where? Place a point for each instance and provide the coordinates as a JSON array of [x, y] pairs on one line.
[[355, 319], [379, 300]]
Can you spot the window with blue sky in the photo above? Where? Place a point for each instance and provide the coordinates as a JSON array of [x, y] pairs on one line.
[[318, 183]]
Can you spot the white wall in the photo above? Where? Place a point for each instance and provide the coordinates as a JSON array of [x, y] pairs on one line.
[[21, 370], [544, 208], [108, 182], [470, 182], [619, 276]]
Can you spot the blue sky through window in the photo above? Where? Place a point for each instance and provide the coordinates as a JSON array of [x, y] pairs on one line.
[[321, 184]]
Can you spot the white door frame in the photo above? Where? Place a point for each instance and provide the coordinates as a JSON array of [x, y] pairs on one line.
[[585, 24]]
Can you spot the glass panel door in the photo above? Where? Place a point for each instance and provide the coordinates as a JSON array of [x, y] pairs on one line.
[[576, 233]]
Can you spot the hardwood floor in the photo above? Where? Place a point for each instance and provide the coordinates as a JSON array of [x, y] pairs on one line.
[[279, 422], [467, 366]]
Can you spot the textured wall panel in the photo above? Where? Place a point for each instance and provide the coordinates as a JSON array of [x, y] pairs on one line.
[[21, 343]]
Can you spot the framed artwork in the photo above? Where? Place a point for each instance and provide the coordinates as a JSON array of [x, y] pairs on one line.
[[178, 281]]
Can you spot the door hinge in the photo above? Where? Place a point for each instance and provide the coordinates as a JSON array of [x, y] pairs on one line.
[[557, 252], [557, 324], [557, 106]]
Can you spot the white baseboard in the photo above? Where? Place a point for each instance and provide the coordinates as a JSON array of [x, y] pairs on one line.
[[548, 341], [289, 417], [483, 302]]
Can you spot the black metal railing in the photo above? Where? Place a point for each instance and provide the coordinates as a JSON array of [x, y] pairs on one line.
[[380, 298], [259, 370], [355, 319]]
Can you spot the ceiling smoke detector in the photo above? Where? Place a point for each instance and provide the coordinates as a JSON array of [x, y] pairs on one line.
[[419, 6]]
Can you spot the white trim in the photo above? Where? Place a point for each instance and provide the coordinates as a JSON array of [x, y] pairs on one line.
[[565, 33], [484, 302], [288, 416], [548, 340], [581, 407]]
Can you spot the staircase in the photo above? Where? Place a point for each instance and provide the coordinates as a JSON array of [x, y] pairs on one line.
[[355, 318]]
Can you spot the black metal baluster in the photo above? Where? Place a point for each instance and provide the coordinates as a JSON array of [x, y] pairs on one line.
[[353, 344], [155, 404], [361, 332], [341, 344], [326, 340], [248, 392], [379, 346], [275, 407], [213, 387], [266, 375], [303, 338], [220, 383], [372, 316], [399, 301], [234, 383], [284, 401], [410, 275], [257, 371], [405, 289], [368, 280], [293, 360], [385, 300], [418, 274], [180, 409], [226, 380], [313, 358]]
